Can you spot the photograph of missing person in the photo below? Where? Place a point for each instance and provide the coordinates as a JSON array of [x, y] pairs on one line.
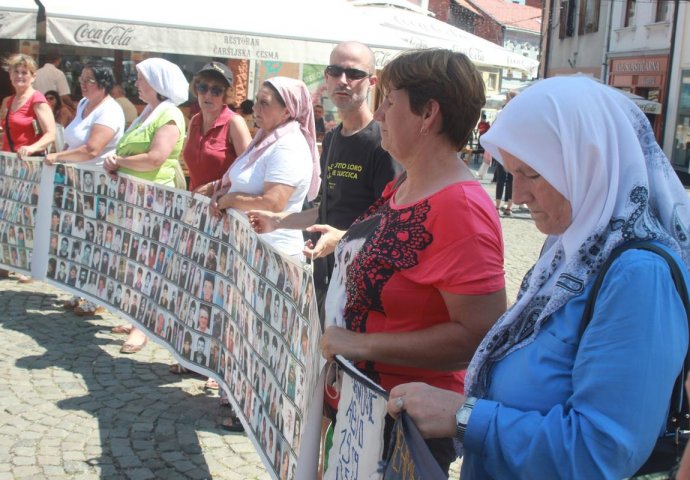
[[201, 351]]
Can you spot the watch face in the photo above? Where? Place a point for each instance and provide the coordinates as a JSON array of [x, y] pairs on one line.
[[463, 415]]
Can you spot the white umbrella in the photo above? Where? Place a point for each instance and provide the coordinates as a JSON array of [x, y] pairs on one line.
[[647, 106], [418, 30]]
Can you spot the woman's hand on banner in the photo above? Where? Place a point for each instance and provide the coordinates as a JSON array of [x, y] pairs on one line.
[[50, 159], [206, 190], [340, 341], [432, 409], [25, 151], [325, 245], [263, 221], [111, 164], [214, 204]]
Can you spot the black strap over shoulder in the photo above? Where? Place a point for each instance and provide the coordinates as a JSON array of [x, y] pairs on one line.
[[679, 411], [7, 124]]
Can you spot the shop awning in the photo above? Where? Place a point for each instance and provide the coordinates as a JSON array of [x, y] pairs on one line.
[[18, 19], [647, 106], [422, 31], [298, 31]]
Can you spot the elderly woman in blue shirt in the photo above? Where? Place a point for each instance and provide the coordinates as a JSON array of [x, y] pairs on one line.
[[542, 399]]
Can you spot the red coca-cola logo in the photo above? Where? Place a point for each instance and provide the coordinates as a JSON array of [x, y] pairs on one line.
[[115, 36]]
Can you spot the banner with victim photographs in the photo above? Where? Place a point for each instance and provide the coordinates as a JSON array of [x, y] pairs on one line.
[[221, 300], [19, 187]]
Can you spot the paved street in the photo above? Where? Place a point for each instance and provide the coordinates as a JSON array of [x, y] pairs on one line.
[[73, 407]]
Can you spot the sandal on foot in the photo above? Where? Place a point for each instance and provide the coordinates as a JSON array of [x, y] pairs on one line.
[[133, 348], [211, 384], [86, 309], [232, 424], [125, 329], [177, 369], [72, 303]]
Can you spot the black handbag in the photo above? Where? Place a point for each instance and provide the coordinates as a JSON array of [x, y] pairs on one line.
[[669, 447]]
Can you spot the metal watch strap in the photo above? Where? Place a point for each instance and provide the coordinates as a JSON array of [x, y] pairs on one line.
[[462, 417]]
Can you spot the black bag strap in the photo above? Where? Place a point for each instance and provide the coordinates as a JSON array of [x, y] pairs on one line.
[[8, 105], [679, 406]]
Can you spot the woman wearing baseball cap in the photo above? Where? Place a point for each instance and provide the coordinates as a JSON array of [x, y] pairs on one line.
[[216, 134]]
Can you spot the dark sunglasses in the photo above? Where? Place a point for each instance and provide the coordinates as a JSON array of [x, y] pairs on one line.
[[350, 73], [215, 90]]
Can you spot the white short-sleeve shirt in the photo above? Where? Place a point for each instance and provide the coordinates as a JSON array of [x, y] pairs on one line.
[[49, 77], [287, 161], [108, 113]]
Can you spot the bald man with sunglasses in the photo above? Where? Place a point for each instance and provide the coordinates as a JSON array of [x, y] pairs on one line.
[[355, 169]]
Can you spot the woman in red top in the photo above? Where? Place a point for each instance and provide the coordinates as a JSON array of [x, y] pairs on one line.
[[21, 115], [19, 111], [418, 279], [216, 136]]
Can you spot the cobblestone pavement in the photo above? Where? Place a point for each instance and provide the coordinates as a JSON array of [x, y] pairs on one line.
[[72, 406]]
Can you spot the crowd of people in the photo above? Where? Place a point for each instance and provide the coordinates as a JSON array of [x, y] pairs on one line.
[[409, 271]]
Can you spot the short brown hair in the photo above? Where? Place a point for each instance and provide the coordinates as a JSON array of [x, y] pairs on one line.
[[447, 77], [20, 60]]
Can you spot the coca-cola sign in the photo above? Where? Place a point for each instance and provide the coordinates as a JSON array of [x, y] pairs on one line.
[[114, 36]]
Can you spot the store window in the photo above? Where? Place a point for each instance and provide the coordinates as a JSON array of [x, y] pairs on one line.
[[589, 16], [680, 157], [629, 19], [490, 80], [662, 8], [567, 19]]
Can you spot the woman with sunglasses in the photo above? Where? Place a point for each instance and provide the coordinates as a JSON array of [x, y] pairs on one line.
[[217, 135], [95, 131], [62, 114], [151, 146]]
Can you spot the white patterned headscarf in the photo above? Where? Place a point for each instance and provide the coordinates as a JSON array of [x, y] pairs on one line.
[[597, 149], [165, 78]]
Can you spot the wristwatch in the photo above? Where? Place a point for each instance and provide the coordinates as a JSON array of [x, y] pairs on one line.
[[462, 417]]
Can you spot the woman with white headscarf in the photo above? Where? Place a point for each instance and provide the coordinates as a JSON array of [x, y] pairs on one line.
[[150, 148], [280, 167], [543, 399]]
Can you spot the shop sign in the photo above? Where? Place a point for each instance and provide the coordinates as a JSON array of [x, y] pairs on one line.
[[639, 65], [242, 46], [114, 36]]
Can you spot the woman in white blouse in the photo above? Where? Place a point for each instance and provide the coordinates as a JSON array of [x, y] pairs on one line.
[[99, 122], [94, 133]]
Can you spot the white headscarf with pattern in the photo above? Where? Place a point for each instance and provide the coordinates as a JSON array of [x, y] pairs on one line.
[[597, 149]]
